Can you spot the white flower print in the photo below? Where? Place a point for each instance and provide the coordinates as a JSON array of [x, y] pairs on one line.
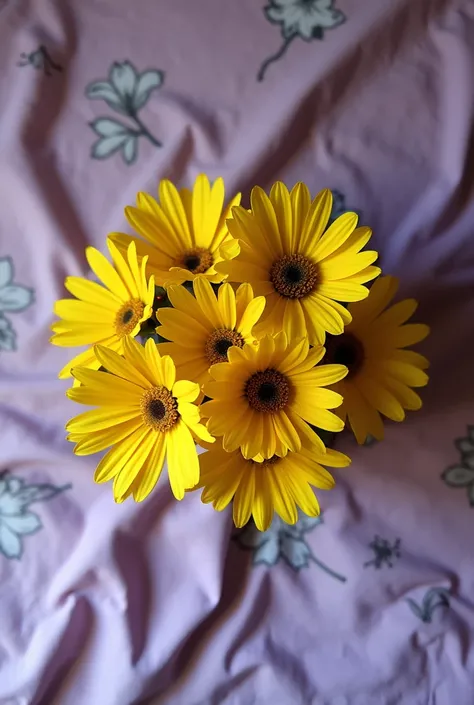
[[283, 541], [462, 474], [13, 299], [126, 92], [16, 520], [300, 18]]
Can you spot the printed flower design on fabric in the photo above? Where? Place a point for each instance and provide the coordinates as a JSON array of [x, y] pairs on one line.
[[283, 541], [126, 92], [434, 598], [299, 18], [339, 206], [385, 553], [13, 299], [40, 60], [16, 519], [462, 474]]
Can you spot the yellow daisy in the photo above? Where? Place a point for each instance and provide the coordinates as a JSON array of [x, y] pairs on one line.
[[104, 313], [184, 235], [261, 487], [203, 327], [304, 270], [265, 397], [144, 415], [381, 371]]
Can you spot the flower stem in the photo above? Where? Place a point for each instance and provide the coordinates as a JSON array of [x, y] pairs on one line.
[[143, 130], [274, 57], [328, 570]]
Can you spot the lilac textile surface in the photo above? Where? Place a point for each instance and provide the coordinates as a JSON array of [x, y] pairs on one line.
[[162, 602]]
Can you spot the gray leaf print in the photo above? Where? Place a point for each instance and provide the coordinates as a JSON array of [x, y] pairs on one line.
[[130, 149], [14, 298], [148, 81], [107, 146], [7, 335], [434, 598], [458, 476], [16, 519], [126, 92], [282, 541], [462, 474], [102, 90], [307, 19]]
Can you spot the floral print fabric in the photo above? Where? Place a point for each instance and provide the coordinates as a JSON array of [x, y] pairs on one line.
[[369, 604]]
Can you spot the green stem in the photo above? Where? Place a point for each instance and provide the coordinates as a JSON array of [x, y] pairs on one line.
[[328, 570], [143, 130], [274, 57]]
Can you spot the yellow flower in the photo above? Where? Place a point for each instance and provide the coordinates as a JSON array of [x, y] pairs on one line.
[[263, 399], [144, 415], [105, 314], [204, 328], [303, 270], [381, 372], [261, 487], [185, 234]]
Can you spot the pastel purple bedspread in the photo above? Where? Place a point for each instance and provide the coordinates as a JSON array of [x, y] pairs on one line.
[[372, 604]]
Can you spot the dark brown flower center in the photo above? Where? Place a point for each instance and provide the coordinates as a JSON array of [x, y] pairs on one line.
[[346, 350], [128, 316], [267, 391], [219, 342], [294, 276], [159, 409], [197, 261]]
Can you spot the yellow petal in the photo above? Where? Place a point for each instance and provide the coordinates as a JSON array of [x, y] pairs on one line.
[[300, 198], [315, 222], [98, 419], [262, 508], [346, 265], [264, 215], [151, 470], [74, 310], [382, 400], [335, 236], [207, 301], [343, 291], [115, 363], [317, 308], [243, 500], [382, 292], [135, 463], [251, 316], [183, 464], [93, 293], [99, 440], [102, 268], [186, 391], [283, 501], [320, 376], [173, 207], [226, 302], [294, 323], [411, 333], [84, 359], [106, 383], [123, 268], [280, 199]]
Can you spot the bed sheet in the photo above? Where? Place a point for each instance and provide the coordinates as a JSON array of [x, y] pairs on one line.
[[104, 604]]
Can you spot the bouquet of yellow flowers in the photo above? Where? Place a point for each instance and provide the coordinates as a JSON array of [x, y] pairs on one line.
[[255, 333]]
